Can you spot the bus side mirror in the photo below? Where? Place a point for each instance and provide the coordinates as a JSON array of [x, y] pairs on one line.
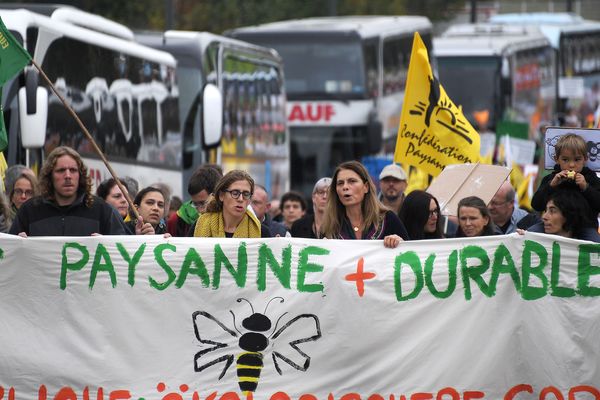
[[374, 133], [212, 115], [33, 111]]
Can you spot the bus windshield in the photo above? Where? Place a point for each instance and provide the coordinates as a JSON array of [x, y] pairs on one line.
[[317, 67], [319, 149], [471, 82]]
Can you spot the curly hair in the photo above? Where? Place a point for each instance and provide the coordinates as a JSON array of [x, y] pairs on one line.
[[215, 204], [372, 210], [85, 182], [415, 214]]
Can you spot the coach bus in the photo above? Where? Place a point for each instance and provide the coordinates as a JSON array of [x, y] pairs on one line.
[[345, 79], [124, 93], [250, 79], [577, 43], [506, 71]]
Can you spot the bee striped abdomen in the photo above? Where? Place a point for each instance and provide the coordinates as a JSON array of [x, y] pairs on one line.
[[249, 365]]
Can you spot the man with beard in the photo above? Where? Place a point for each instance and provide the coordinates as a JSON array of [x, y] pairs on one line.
[[392, 184]]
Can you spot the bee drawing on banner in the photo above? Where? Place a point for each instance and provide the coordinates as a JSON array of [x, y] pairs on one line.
[[254, 343]]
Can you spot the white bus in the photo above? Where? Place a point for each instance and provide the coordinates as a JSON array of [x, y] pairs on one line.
[[125, 93], [250, 79], [507, 71], [577, 43], [345, 79]]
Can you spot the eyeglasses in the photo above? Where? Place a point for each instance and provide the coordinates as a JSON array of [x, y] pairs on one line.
[[434, 212], [236, 194], [21, 192], [498, 203], [322, 192]]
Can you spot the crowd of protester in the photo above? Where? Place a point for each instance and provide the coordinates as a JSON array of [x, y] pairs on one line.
[[60, 202]]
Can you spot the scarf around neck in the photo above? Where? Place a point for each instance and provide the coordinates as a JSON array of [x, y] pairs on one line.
[[212, 225]]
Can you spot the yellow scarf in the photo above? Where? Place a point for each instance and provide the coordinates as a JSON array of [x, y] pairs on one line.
[[212, 225]]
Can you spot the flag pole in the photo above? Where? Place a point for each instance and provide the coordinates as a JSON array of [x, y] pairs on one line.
[[92, 141]]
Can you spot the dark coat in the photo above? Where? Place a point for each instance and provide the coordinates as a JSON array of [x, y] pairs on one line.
[[41, 217]]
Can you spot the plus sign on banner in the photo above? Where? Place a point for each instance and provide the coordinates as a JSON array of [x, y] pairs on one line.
[[144, 317]]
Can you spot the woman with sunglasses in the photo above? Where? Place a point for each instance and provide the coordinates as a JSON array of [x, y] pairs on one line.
[[227, 213], [420, 214]]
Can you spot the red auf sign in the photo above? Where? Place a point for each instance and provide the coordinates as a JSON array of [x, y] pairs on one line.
[[311, 112]]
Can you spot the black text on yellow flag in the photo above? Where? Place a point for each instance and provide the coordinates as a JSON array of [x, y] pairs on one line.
[[433, 131]]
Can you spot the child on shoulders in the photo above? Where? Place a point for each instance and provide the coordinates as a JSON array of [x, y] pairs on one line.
[[570, 173]]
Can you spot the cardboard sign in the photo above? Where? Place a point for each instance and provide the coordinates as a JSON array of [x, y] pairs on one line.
[[591, 136], [463, 180]]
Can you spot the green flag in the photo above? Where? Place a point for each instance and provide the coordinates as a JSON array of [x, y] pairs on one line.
[[13, 58]]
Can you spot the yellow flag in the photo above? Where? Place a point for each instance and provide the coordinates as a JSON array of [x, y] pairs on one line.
[[417, 180], [433, 131], [3, 168], [523, 193]]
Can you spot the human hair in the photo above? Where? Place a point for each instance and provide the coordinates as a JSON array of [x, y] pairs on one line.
[[139, 197], [11, 175], [574, 209], [264, 189], [292, 195], [414, 213], [573, 142], [85, 182], [510, 194], [476, 202], [5, 211], [132, 185], [371, 208], [215, 204], [24, 174], [104, 188], [204, 178]]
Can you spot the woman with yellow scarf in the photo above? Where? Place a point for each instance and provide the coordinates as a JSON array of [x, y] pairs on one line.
[[227, 213]]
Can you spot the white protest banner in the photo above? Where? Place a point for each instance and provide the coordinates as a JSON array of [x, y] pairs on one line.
[[126, 317]]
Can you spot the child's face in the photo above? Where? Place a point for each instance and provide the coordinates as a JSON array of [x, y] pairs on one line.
[[568, 160]]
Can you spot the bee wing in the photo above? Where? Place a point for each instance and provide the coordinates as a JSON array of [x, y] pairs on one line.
[[205, 322], [302, 328]]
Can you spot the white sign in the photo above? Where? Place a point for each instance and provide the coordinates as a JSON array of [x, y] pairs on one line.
[[591, 137], [328, 113], [506, 317], [571, 88]]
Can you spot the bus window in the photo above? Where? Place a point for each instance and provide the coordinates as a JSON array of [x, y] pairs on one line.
[[396, 56], [332, 66], [370, 51], [473, 83]]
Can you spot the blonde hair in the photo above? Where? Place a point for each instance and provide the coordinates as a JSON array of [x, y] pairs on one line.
[[570, 141], [371, 208]]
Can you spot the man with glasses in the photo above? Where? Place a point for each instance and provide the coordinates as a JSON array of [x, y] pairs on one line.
[[67, 206], [200, 186], [503, 211]]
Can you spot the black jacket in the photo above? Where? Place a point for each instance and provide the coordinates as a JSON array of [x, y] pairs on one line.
[[41, 217], [591, 194]]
